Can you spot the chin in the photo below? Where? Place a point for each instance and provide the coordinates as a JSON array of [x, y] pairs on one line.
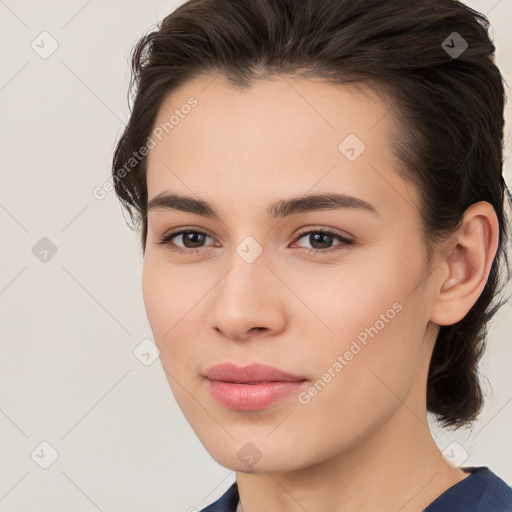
[[262, 456], [261, 466]]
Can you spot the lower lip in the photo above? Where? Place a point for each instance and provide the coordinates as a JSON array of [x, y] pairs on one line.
[[251, 397]]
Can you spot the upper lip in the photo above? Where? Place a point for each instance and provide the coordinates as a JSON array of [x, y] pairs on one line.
[[255, 372]]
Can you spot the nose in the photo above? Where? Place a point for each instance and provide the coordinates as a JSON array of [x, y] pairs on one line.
[[250, 300]]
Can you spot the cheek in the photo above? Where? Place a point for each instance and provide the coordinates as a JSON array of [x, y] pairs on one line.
[[167, 295], [359, 385], [348, 299], [172, 304], [377, 346], [156, 294], [376, 325]]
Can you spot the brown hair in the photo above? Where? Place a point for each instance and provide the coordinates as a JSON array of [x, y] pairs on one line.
[[447, 104]]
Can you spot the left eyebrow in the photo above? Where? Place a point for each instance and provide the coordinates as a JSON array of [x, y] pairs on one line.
[[279, 209]]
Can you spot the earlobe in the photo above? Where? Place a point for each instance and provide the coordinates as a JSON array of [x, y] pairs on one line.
[[467, 266]]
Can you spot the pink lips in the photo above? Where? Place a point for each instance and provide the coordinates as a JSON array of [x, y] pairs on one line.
[[251, 387]]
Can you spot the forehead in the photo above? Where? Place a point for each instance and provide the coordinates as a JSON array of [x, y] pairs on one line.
[[277, 138]]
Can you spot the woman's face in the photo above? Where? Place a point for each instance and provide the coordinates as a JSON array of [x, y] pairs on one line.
[[261, 283]]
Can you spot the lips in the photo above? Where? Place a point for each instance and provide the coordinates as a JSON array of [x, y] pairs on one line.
[[252, 373], [250, 388]]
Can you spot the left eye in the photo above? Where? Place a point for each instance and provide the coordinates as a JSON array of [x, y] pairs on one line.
[[196, 238], [320, 237]]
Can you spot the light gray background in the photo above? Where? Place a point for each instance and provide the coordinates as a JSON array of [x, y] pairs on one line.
[[68, 329]]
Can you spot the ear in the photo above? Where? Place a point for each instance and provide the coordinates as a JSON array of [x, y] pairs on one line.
[[464, 264]]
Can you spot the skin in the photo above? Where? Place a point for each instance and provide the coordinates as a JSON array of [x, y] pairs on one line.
[[363, 442]]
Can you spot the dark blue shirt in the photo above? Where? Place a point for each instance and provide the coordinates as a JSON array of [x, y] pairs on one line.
[[482, 491]]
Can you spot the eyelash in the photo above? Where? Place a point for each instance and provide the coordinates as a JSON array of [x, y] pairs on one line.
[[166, 240]]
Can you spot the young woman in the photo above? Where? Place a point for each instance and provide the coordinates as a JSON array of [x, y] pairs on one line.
[[318, 188]]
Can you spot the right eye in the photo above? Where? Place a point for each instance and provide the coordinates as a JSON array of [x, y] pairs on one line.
[[188, 237]]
